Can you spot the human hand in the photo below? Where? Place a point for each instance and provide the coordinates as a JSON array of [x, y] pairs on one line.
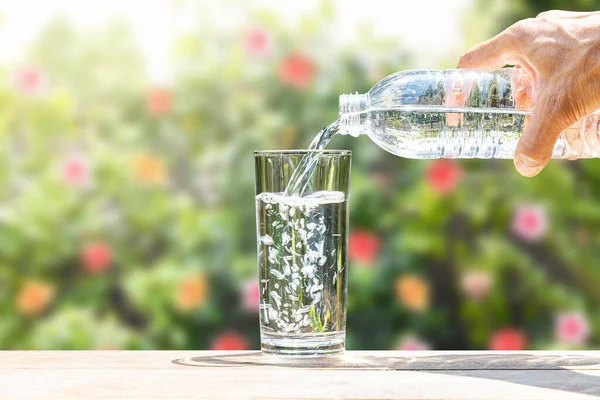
[[560, 51]]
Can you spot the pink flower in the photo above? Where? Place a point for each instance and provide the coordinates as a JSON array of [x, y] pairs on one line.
[[251, 295], [296, 70], [530, 222], [75, 171], [363, 246], [29, 80], [230, 341], [476, 284], [257, 41], [508, 339], [443, 176], [96, 257], [412, 343], [571, 328]]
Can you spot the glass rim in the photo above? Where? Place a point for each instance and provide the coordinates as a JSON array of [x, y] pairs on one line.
[[298, 152]]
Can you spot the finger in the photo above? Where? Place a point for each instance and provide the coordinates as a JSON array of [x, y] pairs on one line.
[[535, 147], [492, 54], [552, 14], [562, 14], [591, 134], [522, 84]]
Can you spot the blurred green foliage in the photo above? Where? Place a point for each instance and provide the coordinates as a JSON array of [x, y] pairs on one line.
[[127, 208], [494, 16]]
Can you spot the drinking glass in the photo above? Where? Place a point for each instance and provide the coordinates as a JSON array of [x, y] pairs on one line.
[[302, 251]]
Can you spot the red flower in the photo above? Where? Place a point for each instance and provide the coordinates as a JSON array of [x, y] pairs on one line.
[[251, 295], [75, 171], [159, 101], [258, 41], [508, 339], [444, 175], [96, 257], [572, 328], [530, 222], [363, 246], [296, 70], [229, 341], [28, 79]]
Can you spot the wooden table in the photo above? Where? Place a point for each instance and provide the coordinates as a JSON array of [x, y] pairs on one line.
[[356, 375]]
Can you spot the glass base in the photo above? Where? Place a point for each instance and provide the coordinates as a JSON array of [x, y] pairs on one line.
[[313, 345]]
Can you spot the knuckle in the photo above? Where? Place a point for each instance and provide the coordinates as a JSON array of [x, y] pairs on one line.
[[550, 14], [535, 149], [521, 29], [543, 14], [546, 14]]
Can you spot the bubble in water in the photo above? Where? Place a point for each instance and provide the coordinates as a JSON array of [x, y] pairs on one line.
[[267, 240]]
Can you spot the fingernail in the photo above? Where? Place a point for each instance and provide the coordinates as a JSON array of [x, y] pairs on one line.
[[526, 166]]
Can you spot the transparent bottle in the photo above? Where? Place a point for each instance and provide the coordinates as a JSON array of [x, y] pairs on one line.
[[456, 114]]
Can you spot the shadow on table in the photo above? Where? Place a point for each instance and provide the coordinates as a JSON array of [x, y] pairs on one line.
[[522, 369], [258, 359], [503, 367]]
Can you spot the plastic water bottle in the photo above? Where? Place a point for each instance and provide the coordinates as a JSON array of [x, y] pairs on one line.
[[455, 114]]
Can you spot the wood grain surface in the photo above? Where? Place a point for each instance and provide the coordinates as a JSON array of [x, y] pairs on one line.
[[251, 375]]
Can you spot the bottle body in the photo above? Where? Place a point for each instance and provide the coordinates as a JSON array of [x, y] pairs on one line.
[[455, 114]]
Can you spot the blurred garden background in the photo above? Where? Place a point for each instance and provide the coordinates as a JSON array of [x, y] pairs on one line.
[[127, 187]]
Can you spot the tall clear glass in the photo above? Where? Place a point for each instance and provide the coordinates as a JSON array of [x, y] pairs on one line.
[[302, 252]]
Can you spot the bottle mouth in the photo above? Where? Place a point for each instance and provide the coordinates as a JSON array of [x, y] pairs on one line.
[[351, 105]]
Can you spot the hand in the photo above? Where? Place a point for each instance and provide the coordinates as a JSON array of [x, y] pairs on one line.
[[560, 50]]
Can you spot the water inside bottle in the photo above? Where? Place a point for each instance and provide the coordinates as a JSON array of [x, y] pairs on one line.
[[446, 132]]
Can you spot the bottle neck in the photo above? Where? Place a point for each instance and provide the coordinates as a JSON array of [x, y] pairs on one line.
[[351, 107]]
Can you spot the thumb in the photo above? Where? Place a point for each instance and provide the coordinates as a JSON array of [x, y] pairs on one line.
[[491, 54], [542, 129]]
